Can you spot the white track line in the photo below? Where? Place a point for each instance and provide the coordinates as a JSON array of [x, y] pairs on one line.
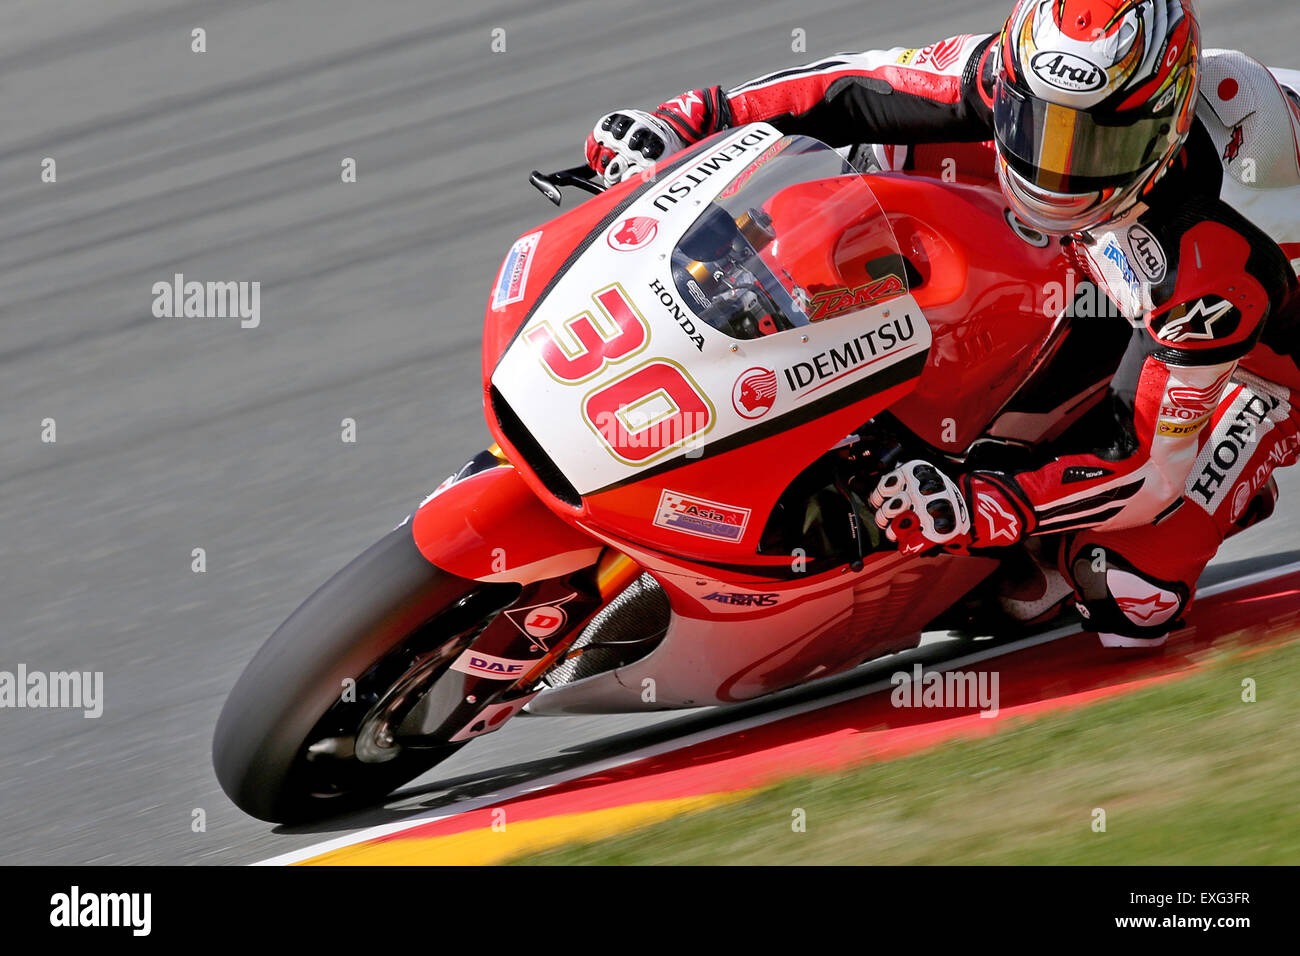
[[722, 730]]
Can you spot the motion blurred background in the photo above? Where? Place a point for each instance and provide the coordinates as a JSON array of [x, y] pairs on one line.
[[176, 434]]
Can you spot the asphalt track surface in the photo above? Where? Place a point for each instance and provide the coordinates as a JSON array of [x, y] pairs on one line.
[[175, 434]]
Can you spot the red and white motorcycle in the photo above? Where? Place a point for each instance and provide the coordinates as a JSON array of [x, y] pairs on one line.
[[693, 381]]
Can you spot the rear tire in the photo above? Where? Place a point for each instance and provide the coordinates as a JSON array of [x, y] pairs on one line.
[[367, 613]]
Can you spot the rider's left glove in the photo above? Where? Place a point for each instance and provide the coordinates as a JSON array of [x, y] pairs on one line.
[[627, 141], [921, 508]]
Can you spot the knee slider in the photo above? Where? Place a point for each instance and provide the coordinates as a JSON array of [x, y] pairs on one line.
[[1115, 597]]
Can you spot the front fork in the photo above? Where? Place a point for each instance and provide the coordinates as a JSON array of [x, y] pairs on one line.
[[485, 524], [500, 672]]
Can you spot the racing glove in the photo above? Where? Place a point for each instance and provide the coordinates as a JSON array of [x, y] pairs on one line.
[[921, 508], [627, 141]]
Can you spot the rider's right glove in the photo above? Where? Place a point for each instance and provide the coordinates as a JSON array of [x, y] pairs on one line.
[[921, 508], [627, 141]]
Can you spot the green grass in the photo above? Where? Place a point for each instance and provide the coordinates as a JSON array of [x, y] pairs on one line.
[[1186, 771]]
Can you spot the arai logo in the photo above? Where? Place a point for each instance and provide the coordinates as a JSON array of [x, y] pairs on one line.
[[1147, 254], [1065, 71]]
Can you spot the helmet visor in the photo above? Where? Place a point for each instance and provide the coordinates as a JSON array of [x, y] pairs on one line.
[[1064, 150]]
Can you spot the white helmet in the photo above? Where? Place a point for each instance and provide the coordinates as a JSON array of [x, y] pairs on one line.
[[1093, 100]]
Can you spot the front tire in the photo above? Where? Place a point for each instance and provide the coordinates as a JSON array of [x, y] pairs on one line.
[[385, 612]]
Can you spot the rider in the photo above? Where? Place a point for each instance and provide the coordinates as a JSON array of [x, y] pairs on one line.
[[1098, 136]]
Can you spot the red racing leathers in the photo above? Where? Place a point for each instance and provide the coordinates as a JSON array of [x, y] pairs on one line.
[[1204, 289]]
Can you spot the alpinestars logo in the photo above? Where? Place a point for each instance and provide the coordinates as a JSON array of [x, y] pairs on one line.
[[690, 105], [1143, 602], [1001, 523], [1197, 322], [1144, 609]]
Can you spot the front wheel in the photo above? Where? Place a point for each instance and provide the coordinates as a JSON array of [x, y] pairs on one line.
[[315, 724]]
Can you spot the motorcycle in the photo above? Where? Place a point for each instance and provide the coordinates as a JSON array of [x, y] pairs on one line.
[[692, 380]]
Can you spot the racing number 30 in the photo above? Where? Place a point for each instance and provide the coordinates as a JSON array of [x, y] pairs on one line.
[[594, 351], [642, 415]]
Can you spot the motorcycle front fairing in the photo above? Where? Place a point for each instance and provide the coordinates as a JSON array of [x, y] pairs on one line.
[[722, 328]]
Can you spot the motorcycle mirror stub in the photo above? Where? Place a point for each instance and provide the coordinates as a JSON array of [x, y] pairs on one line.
[[545, 186], [580, 177]]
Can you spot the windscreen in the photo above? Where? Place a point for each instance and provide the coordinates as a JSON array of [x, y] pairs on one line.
[[796, 237]]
